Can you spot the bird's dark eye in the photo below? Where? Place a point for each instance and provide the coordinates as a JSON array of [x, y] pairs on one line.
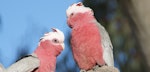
[[71, 14], [41, 39], [55, 40]]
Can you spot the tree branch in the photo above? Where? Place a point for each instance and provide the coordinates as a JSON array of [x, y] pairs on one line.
[[103, 69]]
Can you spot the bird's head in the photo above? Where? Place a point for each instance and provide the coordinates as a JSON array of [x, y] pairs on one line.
[[56, 37], [52, 42], [77, 8], [77, 11]]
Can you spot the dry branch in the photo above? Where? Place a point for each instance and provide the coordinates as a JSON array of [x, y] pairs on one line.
[[104, 69]]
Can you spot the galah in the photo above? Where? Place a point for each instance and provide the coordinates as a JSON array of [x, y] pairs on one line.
[[90, 41], [44, 57]]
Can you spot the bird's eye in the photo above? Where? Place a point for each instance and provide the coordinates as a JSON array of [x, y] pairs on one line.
[[41, 39], [55, 40], [71, 14]]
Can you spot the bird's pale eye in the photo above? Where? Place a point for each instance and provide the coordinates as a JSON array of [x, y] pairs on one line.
[[55, 40]]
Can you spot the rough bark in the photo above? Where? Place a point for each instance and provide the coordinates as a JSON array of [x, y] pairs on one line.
[[103, 69]]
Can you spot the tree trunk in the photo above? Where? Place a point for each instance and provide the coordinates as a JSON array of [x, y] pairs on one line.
[[138, 13]]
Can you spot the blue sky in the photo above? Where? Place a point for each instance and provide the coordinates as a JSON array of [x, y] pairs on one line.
[[25, 21]]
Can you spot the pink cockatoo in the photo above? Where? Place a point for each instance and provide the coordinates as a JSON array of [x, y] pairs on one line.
[[44, 57], [49, 48], [90, 41]]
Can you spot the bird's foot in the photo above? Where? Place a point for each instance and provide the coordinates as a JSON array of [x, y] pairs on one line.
[[98, 66]]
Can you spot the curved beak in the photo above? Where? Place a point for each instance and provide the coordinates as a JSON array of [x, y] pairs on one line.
[[63, 46]]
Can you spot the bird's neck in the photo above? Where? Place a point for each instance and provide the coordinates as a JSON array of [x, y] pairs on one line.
[[47, 53], [81, 19], [86, 17], [46, 48], [47, 60]]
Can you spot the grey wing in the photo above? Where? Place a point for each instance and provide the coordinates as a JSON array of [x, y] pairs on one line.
[[106, 45], [27, 64], [1, 68]]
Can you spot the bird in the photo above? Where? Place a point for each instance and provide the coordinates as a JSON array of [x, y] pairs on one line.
[[90, 42], [43, 59]]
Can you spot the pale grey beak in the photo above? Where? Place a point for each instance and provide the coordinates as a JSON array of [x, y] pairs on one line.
[[63, 46]]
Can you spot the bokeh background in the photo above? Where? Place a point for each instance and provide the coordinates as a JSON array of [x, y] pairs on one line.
[[23, 22]]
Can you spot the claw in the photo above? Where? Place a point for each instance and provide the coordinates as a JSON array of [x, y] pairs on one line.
[[95, 67]]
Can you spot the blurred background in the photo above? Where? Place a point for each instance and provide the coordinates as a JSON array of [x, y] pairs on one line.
[[23, 22]]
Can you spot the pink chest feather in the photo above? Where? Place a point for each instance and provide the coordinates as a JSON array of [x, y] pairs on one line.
[[86, 42]]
